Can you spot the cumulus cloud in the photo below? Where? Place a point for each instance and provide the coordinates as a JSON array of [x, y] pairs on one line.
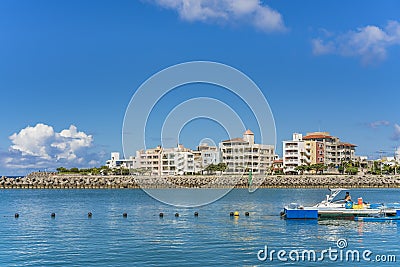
[[377, 124], [33, 140], [251, 12], [396, 134], [42, 147], [370, 43]]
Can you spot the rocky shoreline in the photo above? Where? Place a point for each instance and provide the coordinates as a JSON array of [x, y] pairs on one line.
[[43, 180]]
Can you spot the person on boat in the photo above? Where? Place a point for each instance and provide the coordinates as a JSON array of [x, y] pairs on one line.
[[347, 197]]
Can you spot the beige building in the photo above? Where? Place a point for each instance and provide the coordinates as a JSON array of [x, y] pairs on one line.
[[149, 160], [208, 154], [166, 161], [332, 151], [242, 155], [315, 148]]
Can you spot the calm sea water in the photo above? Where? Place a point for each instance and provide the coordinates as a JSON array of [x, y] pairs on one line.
[[213, 238]]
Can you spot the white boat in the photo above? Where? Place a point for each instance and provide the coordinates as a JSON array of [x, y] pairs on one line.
[[337, 209]]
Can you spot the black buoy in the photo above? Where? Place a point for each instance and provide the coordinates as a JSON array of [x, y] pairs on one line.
[[196, 214], [125, 215], [53, 215], [89, 214], [176, 214], [247, 214], [231, 214], [16, 215], [161, 214]]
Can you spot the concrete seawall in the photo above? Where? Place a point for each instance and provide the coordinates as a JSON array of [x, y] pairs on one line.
[[57, 181]]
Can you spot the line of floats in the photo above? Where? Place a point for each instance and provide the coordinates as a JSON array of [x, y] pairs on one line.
[[333, 208], [329, 208], [161, 214]]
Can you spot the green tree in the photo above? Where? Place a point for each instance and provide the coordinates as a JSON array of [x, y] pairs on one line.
[[301, 168], [221, 167], [386, 169], [352, 170], [105, 170], [341, 169], [94, 171], [319, 168], [74, 170], [61, 169], [211, 169]]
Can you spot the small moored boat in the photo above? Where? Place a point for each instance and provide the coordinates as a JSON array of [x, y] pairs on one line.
[[334, 208]]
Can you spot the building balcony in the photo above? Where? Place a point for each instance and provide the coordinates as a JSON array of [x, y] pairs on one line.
[[291, 153]]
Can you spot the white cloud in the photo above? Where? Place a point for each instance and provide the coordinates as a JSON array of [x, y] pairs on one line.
[[227, 11], [376, 124], [320, 47], [33, 140], [396, 134], [42, 147], [370, 43]]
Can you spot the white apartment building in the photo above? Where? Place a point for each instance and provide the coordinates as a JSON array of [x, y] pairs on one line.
[[177, 161], [208, 155], [242, 155], [295, 153], [115, 162], [166, 161]]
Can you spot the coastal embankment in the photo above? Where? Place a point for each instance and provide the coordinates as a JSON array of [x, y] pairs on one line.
[[65, 181]]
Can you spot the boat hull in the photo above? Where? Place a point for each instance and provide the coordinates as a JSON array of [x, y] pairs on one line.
[[333, 213]]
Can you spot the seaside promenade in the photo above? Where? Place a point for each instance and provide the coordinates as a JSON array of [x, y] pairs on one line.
[[43, 180]]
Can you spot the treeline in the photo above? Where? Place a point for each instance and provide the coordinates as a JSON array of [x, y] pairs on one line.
[[213, 168], [377, 168], [351, 168], [103, 170], [317, 168]]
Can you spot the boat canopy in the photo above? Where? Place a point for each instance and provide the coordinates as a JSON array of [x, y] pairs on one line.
[[334, 193]]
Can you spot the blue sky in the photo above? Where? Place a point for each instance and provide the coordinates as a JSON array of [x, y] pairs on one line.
[[322, 65]]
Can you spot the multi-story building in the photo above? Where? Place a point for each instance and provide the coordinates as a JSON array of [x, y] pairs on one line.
[[315, 151], [277, 166], [295, 153], [166, 161], [333, 151], [177, 161], [315, 148], [116, 162], [208, 155], [149, 160], [242, 154]]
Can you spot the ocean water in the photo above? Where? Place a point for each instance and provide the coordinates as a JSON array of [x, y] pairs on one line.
[[213, 238]]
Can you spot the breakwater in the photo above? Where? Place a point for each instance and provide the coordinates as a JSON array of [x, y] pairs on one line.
[[64, 181]]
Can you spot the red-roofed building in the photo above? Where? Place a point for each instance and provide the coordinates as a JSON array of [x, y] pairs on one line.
[[314, 148], [277, 166], [335, 151]]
